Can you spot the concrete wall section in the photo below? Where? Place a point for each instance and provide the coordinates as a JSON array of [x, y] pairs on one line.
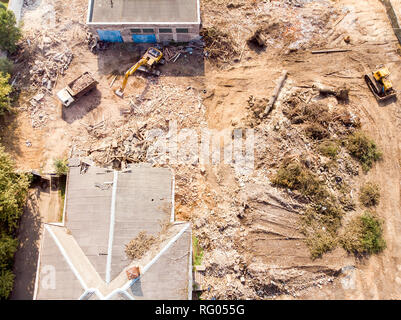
[[127, 32], [16, 7]]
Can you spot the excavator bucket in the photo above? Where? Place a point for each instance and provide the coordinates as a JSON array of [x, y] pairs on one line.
[[119, 93]]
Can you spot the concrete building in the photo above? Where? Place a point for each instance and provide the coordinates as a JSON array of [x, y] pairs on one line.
[[144, 21], [83, 257]]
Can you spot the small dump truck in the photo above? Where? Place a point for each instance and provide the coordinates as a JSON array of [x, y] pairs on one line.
[[76, 89]]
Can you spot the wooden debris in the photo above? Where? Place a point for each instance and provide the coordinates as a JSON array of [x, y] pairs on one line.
[[330, 51], [276, 93]]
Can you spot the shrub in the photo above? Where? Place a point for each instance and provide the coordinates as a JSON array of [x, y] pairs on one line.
[[9, 32], [316, 131], [6, 66], [320, 242], [8, 246], [13, 190], [294, 176], [197, 252], [369, 194], [5, 90], [329, 149], [363, 149], [326, 211], [61, 166], [364, 235], [6, 283]]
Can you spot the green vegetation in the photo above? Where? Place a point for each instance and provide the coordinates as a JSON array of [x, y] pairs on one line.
[[61, 167], [329, 149], [13, 190], [6, 283], [197, 252], [10, 33], [320, 242], [364, 235], [5, 90], [322, 218], [363, 149], [6, 66], [369, 194], [294, 176]]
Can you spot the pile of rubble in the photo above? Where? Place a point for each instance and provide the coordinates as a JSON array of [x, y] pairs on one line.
[[46, 70]]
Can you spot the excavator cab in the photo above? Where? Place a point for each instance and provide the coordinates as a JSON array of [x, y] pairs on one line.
[[151, 58], [380, 85]]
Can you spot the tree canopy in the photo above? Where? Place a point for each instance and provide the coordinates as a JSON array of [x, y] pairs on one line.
[[10, 33]]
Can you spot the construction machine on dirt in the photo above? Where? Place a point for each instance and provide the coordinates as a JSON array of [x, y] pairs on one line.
[[150, 59], [380, 85]]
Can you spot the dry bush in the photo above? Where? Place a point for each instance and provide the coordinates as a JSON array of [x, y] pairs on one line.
[[302, 113], [319, 242], [369, 194], [316, 131], [219, 45], [137, 247]]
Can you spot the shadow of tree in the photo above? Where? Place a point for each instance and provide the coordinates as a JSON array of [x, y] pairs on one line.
[[25, 262]]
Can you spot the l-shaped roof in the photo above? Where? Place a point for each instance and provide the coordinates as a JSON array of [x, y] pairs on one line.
[[104, 210]]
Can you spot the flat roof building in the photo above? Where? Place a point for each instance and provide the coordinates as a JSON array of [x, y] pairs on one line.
[[84, 256], [144, 21]]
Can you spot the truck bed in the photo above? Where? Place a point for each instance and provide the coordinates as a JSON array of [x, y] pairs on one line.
[[82, 84]]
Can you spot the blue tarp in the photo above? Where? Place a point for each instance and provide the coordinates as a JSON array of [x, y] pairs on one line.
[[110, 35], [144, 38]]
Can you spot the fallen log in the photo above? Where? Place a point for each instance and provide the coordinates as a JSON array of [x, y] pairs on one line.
[[275, 95], [330, 51]]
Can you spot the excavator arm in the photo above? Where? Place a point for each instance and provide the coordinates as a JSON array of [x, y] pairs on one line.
[[129, 73], [151, 57]]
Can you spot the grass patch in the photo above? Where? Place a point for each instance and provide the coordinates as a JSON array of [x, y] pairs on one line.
[[363, 149], [61, 167], [364, 235], [197, 252], [329, 149], [369, 194]]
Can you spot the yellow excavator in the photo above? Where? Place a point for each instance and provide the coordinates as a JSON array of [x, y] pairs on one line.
[[380, 85], [151, 58]]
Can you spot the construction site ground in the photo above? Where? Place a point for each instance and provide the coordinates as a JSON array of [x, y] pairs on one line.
[[264, 254]]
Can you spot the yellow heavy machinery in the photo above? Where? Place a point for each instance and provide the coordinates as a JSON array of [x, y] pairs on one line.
[[380, 85], [151, 58]]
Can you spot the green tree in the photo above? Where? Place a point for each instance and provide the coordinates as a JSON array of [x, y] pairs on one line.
[[6, 66], [6, 283], [10, 33], [13, 190], [5, 90], [8, 246]]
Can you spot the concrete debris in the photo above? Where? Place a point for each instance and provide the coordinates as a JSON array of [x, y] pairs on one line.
[[44, 72]]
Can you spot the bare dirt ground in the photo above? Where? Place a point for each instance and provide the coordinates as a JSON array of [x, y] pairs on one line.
[[249, 230]]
